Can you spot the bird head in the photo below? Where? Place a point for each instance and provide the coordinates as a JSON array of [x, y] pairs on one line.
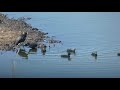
[[25, 33]]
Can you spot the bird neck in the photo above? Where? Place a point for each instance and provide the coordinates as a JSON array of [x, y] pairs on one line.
[[68, 54]]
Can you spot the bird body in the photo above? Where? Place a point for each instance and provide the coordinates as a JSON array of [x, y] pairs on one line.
[[66, 56], [71, 51], [21, 38], [43, 50], [94, 53]]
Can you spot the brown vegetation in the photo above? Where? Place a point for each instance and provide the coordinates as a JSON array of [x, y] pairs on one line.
[[10, 29]]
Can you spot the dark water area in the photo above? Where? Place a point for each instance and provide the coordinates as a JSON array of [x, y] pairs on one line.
[[85, 31]]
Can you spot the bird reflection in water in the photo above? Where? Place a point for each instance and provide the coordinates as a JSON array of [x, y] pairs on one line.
[[69, 59], [95, 57], [43, 51], [33, 51], [22, 53]]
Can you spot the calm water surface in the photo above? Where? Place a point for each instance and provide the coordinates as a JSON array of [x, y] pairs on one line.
[[85, 31]]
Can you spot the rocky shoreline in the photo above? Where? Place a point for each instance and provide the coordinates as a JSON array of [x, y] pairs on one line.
[[12, 28]]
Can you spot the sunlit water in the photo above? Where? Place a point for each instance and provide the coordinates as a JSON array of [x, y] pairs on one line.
[[85, 31]]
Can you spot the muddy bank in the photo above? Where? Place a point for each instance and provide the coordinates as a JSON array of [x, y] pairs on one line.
[[11, 28]]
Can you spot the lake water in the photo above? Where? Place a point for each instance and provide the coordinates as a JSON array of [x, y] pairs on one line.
[[85, 31]]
